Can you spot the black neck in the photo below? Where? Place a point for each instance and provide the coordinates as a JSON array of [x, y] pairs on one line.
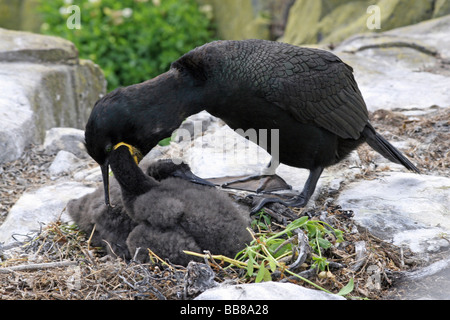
[[131, 178], [168, 99]]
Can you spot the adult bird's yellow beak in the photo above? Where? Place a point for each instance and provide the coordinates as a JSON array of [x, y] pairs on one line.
[[135, 153], [137, 156]]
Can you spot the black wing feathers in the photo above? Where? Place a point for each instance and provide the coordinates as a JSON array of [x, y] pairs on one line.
[[313, 85], [326, 95]]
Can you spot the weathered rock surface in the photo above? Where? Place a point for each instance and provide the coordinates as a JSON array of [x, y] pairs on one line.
[[403, 69], [47, 203], [18, 46], [265, 291], [64, 163], [40, 206], [68, 139], [44, 85], [237, 20], [405, 208], [328, 21]]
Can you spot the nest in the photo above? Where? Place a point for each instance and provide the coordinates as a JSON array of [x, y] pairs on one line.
[[59, 263], [431, 148], [31, 169]]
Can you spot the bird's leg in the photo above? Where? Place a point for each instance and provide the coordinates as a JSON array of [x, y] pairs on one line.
[[308, 189], [299, 201]]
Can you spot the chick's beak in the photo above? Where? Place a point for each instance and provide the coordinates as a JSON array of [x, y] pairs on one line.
[[188, 175], [105, 175]]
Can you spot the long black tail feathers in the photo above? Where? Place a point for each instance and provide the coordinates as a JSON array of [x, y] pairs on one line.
[[387, 150]]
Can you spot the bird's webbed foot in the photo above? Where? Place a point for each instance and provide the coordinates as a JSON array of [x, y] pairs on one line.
[[262, 182], [297, 201], [258, 184]]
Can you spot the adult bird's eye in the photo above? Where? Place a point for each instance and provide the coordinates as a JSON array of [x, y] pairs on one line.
[[108, 148]]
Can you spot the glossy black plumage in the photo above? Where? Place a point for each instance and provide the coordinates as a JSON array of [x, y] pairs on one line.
[[309, 95], [175, 214]]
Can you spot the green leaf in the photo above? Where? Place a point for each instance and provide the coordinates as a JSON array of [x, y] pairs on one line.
[[297, 223], [325, 244], [347, 289], [273, 265], [292, 226], [339, 235], [260, 274], [263, 274], [267, 276], [165, 142], [275, 244], [320, 262], [267, 219], [140, 46]]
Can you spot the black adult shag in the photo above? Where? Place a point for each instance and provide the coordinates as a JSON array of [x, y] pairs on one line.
[[309, 95]]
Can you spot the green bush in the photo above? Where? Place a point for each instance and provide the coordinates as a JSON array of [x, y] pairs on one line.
[[131, 40]]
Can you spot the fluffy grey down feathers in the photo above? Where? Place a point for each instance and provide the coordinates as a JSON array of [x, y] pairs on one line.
[[176, 215]]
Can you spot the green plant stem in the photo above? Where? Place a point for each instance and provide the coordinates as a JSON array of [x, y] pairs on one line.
[[241, 264]]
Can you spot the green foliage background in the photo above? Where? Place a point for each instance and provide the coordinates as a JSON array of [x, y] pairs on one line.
[[131, 40]]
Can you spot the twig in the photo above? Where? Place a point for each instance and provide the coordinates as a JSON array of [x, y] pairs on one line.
[[240, 264], [38, 266], [152, 254], [127, 282], [88, 254], [90, 237], [137, 252], [209, 258], [307, 274], [302, 249], [361, 256], [61, 213], [218, 257], [289, 240]]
